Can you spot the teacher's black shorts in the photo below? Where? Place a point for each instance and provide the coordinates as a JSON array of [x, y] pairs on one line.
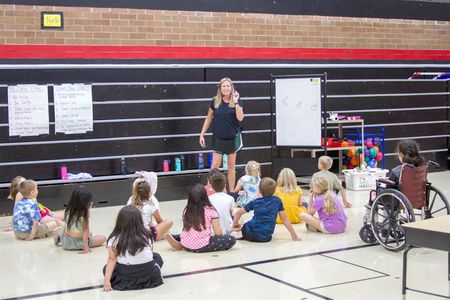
[[227, 146]]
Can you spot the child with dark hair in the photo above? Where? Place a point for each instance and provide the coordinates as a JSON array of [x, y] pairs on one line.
[[222, 202], [132, 264], [76, 234], [266, 209], [209, 189], [201, 226], [408, 153], [143, 200]]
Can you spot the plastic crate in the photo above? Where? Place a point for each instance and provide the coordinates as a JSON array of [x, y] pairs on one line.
[[360, 180]]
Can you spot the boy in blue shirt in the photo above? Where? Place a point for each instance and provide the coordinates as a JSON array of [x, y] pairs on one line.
[[27, 218], [266, 209]]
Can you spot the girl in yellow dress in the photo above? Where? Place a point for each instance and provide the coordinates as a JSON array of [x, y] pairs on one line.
[[291, 196]]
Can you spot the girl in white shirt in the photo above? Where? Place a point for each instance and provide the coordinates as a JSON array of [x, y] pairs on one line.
[[143, 199], [132, 264]]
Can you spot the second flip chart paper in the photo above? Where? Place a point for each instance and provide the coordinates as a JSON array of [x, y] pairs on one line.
[[73, 108]]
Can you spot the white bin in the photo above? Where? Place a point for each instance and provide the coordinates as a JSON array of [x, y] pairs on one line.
[[360, 180]]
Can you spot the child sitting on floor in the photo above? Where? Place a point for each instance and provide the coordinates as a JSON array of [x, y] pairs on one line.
[[47, 215], [332, 218], [291, 196], [201, 226], [324, 164], [143, 199], [76, 234], [27, 220], [132, 264], [266, 209], [222, 202], [248, 183]]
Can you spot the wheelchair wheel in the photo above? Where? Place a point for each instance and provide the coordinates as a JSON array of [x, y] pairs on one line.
[[390, 210], [437, 204], [366, 234]]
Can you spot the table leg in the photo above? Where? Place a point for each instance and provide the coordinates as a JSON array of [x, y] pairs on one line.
[[405, 258]]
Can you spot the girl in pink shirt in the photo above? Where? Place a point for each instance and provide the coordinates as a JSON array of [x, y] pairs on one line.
[[201, 226]]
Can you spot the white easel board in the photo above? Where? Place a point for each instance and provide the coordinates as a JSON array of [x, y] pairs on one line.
[[298, 112]]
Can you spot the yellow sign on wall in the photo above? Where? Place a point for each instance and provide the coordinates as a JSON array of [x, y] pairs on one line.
[[52, 20]]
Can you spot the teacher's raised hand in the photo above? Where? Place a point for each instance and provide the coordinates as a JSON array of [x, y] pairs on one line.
[[235, 96]]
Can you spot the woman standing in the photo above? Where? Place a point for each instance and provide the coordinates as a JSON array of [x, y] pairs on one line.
[[225, 113]]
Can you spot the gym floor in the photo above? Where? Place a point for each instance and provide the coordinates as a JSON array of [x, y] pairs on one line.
[[318, 267]]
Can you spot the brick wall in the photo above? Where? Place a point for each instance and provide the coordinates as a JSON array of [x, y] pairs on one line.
[[20, 25]]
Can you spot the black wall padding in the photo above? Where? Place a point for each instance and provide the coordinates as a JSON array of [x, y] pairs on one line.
[[187, 92]]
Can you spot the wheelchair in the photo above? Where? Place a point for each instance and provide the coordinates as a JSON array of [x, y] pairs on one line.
[[391, 205]]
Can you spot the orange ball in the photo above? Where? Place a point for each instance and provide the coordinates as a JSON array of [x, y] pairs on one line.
[[351, 153]]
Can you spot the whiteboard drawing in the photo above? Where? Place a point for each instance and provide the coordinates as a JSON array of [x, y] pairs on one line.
[[298, 112]]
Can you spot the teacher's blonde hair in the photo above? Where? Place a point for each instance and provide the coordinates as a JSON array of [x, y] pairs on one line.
[[218, 98]]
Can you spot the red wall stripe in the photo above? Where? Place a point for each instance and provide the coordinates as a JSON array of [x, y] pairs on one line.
[[222, 53]]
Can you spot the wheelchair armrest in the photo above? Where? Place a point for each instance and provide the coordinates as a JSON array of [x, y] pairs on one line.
[[433, 164], [386, 181]]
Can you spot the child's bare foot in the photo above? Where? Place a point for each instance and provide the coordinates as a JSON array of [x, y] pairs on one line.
[[173, 242]]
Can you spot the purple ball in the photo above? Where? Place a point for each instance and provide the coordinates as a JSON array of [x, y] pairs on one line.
[[346, 160], [376, 141], [372, 163], [366, 152]]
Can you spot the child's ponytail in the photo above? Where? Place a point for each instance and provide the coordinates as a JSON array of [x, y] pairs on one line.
[[321, 184], [330, 205], [141, 192]]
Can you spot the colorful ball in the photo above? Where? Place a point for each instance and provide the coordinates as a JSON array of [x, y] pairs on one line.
[[354, 161], [367, 159], [351, 152], [368, 144], [346, 160], [366, 152], [372, 152], [376, 141], [376, 148], [379, 156], [372, 163]]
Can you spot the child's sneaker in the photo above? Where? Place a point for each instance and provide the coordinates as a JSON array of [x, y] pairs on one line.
[[311, 228], [237, 234]]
